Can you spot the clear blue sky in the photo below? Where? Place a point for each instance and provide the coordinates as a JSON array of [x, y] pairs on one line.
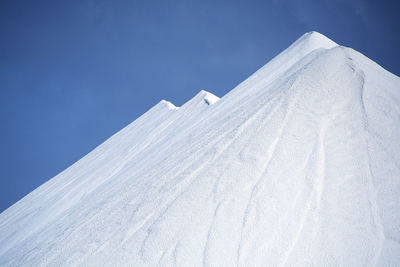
[[72, 73]]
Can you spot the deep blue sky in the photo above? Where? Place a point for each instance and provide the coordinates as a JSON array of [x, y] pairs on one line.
[[72, 73]]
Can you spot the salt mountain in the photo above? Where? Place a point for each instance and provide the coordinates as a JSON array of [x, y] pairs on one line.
[[299, 165]]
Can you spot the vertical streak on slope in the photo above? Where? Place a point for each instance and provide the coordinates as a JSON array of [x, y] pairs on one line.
[[288, 110], [205, 251], [318, 187], [270, 110], [321, 163], [371, 187], [175, 253], [240, 130], [185, 183], [319, 183]]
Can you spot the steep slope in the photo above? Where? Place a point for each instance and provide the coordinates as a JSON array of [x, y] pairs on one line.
[[298, 165]]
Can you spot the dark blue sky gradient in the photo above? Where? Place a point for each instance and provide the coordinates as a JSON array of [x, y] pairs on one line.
[[72, 73]]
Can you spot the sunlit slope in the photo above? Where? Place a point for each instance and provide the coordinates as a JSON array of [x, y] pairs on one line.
[[299, 165]]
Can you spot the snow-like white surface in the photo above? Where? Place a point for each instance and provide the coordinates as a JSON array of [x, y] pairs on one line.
[[299, 165]]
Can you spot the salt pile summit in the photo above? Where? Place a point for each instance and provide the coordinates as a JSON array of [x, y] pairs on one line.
[[299, 165]]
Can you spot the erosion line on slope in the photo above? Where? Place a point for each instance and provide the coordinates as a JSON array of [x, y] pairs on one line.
[[372, 192], [175, 254], [303, 219], [185, 183], [173, 186], [321, 163], [168, 206], [206, 246], [318, 187], [272, 151], [162, 257], [241, 130], [188, 183]]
